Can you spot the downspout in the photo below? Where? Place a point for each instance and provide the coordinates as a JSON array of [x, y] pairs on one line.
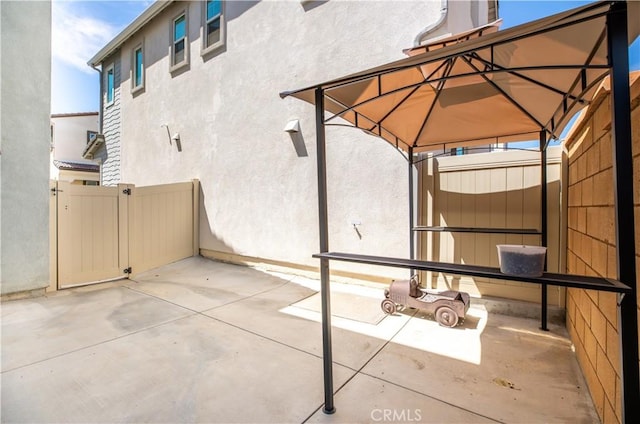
[[444, 10], [99, 71], [100, 123]]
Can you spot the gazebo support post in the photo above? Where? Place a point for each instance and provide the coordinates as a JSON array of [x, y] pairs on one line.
[[623, 192], [325, 286], [411, 218], [543, 224]]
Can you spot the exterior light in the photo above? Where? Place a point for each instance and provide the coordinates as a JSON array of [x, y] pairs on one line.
[[292, 126]]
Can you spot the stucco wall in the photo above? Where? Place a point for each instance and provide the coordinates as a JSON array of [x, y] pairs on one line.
[[70, 134], [70, 140], [25, 135], [259, 188], [592, 318]]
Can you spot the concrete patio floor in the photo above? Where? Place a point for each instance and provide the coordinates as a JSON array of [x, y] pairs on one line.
[[203, 341]]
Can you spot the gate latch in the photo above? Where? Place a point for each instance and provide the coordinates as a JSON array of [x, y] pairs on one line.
[[127, 191], [127, 270]]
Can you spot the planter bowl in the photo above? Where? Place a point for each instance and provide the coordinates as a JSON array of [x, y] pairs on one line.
[[521, 261]]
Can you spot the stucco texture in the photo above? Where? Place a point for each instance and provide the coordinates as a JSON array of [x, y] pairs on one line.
[[259, 184], [26, 99]]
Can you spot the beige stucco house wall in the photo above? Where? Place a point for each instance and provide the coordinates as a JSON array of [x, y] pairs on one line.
[[68, 142], [25, 136], [259, 192], [592, 318]]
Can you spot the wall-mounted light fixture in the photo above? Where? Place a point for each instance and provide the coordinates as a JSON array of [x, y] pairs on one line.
[[293, 126], [173, 138]]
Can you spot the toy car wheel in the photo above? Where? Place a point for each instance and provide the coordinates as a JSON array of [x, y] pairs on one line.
[[446, 316], [388, 307]]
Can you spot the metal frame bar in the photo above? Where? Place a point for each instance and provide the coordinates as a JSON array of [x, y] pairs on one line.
[[411, 208], [543, 225], [441, 83], [623, 192], [325, 288], [563, 280], [504, 93], [527, 231], [492, 64], [457, 76]]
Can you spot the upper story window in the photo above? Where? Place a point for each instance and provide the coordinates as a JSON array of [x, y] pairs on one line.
[[212, 34], [110, 84], [180, 41], [137, 68]]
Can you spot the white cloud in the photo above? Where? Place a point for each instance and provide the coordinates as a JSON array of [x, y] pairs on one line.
[[77, 37]]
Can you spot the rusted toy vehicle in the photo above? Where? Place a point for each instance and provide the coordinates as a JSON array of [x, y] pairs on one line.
[[448, 307]]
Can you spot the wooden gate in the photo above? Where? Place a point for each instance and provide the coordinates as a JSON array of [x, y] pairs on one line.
[[107, 233]]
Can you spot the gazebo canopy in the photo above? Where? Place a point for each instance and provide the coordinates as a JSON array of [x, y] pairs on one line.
[[502, 86], [517, 84]]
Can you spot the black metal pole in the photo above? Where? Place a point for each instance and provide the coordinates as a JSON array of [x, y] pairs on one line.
[[325, 292], [411, 232], [625, 229], [543, 223]]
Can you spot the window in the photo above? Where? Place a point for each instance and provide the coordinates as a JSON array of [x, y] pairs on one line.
[[91, 135], [137, 68], [180, 42], [110, 85], [212, 36]]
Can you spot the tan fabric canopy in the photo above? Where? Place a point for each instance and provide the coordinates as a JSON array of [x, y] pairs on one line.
[[503, 86]]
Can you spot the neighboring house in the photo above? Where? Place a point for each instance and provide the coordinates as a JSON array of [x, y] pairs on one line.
[[25, 83], [190, 90], [71, 135]]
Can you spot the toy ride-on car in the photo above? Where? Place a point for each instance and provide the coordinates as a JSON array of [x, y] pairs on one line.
[[448, 307]]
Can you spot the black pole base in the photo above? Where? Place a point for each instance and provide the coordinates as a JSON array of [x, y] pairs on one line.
[[543, 328], [329, 411]]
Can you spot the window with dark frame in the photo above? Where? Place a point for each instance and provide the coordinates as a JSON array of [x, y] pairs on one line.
[[111, 87], [179, 47], [212, 23], [138, 67]]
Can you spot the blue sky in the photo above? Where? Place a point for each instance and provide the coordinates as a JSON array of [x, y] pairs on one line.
[[81, 28]]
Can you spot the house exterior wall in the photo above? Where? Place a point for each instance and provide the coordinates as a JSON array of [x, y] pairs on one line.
[[25, 135], [259, 185], [69, 139], [592, 318]]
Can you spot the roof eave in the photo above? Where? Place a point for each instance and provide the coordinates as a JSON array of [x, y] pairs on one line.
[[150, 13]]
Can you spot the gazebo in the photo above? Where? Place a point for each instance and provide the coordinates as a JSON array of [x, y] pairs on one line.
[[522, 83]]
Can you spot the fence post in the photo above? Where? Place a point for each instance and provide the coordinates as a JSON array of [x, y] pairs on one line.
[[53, 236], [196, 217]]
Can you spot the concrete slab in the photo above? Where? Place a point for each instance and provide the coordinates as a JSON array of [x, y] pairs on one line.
[[202, 341], [271, 315], [190, 370], [41, 328], [198, 284], [513, 373], [366, 400]]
